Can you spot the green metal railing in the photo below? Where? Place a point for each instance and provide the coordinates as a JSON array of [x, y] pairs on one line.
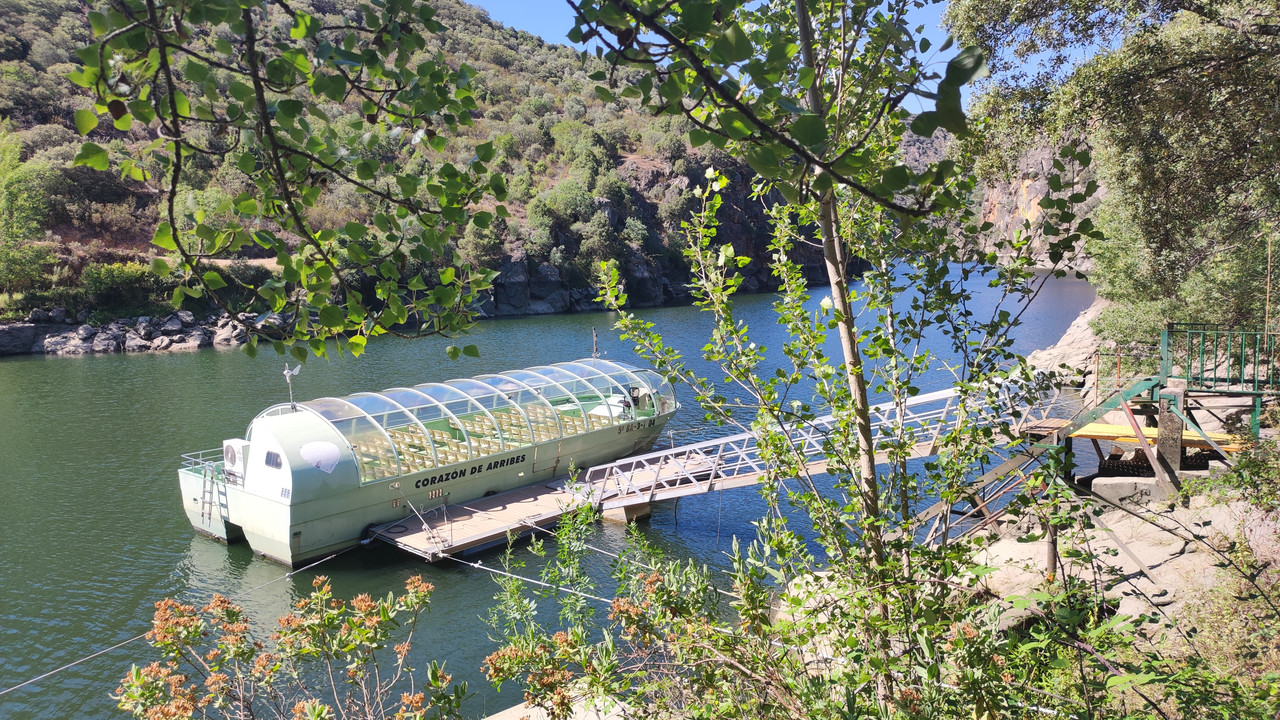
[[1221, 359]]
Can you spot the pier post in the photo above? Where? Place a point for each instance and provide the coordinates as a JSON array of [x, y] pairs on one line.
[[1169, 436], [628, 513]]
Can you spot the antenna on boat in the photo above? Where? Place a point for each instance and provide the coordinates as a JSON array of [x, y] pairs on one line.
[[288, 379]]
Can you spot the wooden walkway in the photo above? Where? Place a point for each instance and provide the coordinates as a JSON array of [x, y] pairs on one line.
[[1125, 434], [481, 522]]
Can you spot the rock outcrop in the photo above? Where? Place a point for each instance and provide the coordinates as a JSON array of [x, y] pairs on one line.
[[1008, 204], [1076, 347], [179, 331]]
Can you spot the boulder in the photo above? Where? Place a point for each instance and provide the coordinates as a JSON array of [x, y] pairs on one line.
[[643, 281], [196, 339], [229, 334], [142, 320], [144, 331], [38, 316], [171, 326], [82, 316], [108, 342], [185, 317], [544, 282], [163, 343], [134, 344], [85, 332], [58, 315], [63, 343], [273, 324], [584, 299], [17, 338], [511, 289], [559, 301]]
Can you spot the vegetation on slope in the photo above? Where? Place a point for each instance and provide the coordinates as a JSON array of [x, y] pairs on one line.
[[1179, 101], [586, 179]]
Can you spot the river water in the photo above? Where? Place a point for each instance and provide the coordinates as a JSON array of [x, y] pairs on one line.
[[92, 531]]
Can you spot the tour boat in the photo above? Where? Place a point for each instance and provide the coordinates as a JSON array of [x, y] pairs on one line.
[[309, 477]]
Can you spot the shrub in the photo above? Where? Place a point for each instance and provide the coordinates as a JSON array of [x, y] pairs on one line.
[[115, 290], [25, 201], [482, 246], [22, 265]]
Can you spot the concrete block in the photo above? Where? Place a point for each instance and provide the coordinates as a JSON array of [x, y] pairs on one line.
[[1134, 491], [628, 514]]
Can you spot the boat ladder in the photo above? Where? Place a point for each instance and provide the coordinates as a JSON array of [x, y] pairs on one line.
[[215, 493]]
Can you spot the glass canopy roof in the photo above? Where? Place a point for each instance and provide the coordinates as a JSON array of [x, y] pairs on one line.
[[405, 430]]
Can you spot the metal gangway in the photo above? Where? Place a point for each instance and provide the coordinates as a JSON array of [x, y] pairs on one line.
[[917, 424], [734, 461]]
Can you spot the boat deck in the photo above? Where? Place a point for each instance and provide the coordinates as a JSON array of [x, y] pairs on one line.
[[480, 522]]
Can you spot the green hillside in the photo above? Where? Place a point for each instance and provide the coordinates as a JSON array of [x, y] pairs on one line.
[[588, 180]]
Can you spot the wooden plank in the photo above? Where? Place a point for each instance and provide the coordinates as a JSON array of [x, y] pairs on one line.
[[1125, 434]]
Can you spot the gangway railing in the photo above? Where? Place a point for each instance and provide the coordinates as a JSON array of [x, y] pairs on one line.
[[735, 460], [986, 500]]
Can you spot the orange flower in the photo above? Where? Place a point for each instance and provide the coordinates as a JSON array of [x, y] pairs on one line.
[[363, 603]]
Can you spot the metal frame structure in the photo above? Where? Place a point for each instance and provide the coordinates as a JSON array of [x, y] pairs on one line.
[[734, 461], [367, 420]]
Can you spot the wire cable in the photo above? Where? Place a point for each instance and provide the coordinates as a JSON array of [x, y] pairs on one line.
[[135, 638]]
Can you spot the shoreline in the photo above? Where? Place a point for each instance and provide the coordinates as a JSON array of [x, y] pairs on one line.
[[56, 333]]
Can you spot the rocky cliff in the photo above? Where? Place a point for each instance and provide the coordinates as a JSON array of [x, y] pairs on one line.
[[1013, 203], [526, 286]]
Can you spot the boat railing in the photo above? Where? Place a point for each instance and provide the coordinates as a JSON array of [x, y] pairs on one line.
[[208, 463]]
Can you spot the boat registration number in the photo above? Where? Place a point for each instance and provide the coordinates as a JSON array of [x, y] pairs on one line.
[[637, 425]]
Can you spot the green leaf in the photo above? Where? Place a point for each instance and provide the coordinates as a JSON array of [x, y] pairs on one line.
[[355, 230], [471, 351], [356, 344], [965, 66], [302, 26], [99, 23], [763, 160], [809, 130], [195, 71], [160, 267], [735, 124], [925, 124], [240, 91], [213, 280], [604, 94], [332, 316], [408, 184], [85, 121], [92, 155], [163, 237], [895, 178], [733, 45], [453, 351]]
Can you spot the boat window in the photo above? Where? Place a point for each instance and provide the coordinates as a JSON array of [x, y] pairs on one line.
[[272, 460]]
